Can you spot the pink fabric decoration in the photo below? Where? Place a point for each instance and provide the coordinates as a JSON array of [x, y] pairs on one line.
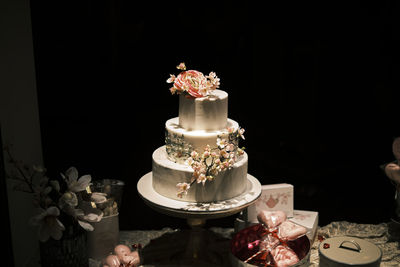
[[291, 231], [392, 170], [122, 257], [269, 243], [284, 256], [271, 219]]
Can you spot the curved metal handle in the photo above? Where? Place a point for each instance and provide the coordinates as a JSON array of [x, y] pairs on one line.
[[357, 248]]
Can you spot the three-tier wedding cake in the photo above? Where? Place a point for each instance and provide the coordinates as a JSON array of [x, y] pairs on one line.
[[201, 160]]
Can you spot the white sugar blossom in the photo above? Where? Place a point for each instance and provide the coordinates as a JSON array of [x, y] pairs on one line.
[[224, 154], [182, 189], [189, 161], [194, 154], [202, 178], [221, 142], [49, 225], [171, 79], [212, 75], [208, 164], [230, 147], [172, 90], [214, 80], [181, 66], [204, 90], [208, 161], [241, 132]]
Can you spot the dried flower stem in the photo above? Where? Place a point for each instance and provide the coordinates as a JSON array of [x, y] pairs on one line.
[[24, 179]]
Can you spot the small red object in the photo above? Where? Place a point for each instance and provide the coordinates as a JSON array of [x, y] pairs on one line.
[[137, 246], [326, 245]]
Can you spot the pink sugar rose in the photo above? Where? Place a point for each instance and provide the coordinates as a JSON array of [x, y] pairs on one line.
[[191, 81]]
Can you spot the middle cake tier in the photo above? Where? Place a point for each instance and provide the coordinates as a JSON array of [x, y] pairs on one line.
[[227, 184], [180, 142]]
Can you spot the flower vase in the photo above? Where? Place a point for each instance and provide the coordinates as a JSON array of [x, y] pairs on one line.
[[103, 239], [69, 251]]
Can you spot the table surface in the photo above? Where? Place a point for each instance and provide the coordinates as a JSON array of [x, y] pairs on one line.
[[165, 247]]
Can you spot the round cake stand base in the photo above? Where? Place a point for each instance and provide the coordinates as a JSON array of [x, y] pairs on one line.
[[197, 246]]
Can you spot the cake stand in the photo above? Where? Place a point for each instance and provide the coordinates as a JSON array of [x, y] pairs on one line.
[[195, 252]]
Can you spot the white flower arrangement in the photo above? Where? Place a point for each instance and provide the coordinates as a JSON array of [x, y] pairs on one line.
[[208, 164], [60, 203]]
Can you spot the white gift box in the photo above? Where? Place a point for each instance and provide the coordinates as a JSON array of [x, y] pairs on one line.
[[308, 219], [273, 197]]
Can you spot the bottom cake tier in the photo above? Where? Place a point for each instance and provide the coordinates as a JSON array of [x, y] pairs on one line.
[[226, 185]]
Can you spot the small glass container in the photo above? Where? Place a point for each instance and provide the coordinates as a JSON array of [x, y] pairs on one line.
[[106, 195], [112, 190]]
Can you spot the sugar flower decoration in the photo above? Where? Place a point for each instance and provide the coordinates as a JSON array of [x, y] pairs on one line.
[[213, 160], [193, 82], [182, 189]]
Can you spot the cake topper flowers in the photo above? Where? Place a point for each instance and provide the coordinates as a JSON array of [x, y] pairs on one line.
[[193, 82]]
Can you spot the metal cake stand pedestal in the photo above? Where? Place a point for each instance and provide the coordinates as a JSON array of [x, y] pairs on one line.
[[195, 249]]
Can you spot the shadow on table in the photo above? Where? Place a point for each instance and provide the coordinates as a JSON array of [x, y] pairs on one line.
[[194, 247], [394, 231]]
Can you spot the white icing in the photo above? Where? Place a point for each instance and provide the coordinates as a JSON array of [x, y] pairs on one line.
[[226, 185], [208, 113], [198, 139]]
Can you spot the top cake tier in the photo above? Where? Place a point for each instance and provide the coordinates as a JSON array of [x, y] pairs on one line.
[[209, 113]]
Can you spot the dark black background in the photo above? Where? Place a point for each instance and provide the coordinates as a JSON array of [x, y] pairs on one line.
[[316, 86]]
